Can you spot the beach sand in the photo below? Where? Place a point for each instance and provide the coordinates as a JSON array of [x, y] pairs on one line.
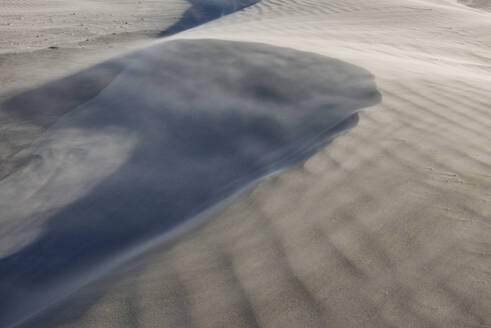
[[386, 226]]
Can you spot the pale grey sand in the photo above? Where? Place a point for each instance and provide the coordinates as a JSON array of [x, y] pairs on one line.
[[388, 226], [30, 24], [480, 4]]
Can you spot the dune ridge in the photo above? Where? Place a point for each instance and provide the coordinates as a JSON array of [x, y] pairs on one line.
[[387, 226], [163, 140]]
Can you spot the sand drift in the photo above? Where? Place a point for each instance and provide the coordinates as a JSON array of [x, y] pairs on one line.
[[169, 132]]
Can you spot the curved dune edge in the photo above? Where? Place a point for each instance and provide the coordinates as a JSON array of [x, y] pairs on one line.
[[176, 129], [88, 37], [388, 226]]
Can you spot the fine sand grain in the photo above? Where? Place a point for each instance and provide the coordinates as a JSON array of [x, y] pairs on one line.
[[31, 24], [387, 226]]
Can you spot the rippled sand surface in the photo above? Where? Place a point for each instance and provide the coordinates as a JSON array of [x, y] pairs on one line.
[[386, 226]]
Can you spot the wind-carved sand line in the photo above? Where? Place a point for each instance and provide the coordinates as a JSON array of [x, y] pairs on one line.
[[364, 234], [183, 126]]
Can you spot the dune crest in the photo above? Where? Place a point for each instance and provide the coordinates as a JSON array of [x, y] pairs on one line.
[[183, 125], [387, 226]]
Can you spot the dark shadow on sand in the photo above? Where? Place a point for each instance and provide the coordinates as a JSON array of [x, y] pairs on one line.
[[203, 11], [208, 118]]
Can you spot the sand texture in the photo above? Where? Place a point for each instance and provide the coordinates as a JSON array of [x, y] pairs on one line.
[[319, 163]]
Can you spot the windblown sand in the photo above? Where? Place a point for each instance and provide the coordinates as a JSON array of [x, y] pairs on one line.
[[387, 226]]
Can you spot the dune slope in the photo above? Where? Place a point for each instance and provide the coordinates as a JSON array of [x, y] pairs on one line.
[[388, 226], [165, 139]]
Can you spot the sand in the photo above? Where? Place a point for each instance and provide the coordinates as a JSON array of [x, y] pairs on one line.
[[480, 4], [386, 226]]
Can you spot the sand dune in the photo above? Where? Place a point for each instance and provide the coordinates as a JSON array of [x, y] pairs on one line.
[[388, 226], [161, 142]]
